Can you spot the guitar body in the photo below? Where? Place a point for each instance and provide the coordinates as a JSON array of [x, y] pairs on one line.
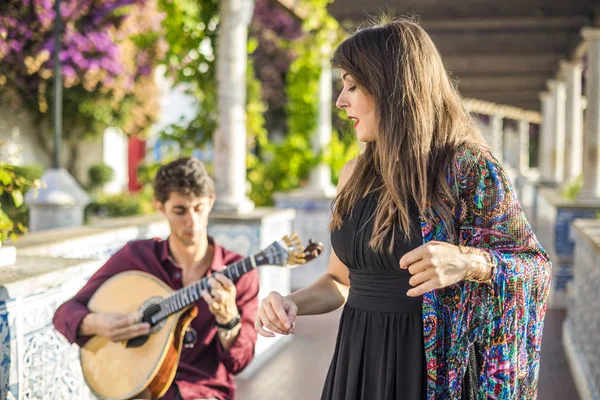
[[124, 370]]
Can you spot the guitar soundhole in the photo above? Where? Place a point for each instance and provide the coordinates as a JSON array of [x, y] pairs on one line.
[[149, 308], [137, 341]]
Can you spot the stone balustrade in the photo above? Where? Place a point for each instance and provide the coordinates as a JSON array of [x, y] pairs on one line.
[[553, 226], [37, 362], [580, 329], [51, 266]]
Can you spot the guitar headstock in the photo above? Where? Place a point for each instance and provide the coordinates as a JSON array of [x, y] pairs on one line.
[[289, 252], [301, 255], [312, 251]]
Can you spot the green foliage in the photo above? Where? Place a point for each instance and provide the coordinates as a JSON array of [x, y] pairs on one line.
[[121, 205], [313, 50], [273, 28], [573, 188], [14, 183], [287, 165], [100, 174], [255, 107], [339, 152], [147, 171], [191, 29], [20, 214], [257, 135], [31, 172], [191, 34]]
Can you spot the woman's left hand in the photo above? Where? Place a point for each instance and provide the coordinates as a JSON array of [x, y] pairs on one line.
[[434, 265]]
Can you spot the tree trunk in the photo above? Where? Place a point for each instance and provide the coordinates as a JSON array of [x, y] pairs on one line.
[[40, 128], [72, 166]]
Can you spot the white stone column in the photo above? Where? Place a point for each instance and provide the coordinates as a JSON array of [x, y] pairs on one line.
[[230, 136], [497, 136], [546, 137], [320, 177], [8, 255], [523, 162], [591, 159], [574, 121], [558, 91]]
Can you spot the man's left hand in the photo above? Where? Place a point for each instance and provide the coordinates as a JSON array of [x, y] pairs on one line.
[[221, 299], [434, 265]]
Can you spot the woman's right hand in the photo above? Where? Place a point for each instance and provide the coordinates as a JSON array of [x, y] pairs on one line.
[[276, 313]]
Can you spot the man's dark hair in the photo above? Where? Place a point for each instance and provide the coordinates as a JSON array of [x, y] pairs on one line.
[[185, 175]]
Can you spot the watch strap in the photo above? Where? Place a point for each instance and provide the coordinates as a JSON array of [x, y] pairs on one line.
[[231, 324]]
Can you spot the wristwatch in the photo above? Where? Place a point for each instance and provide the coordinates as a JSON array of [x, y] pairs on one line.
[[226, 330], [231, 324]]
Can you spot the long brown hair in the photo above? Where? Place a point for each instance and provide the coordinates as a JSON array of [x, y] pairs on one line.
[[421, 124]]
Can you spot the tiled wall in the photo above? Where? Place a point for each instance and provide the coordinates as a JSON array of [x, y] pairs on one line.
[[38, 363], [555, 233], [583, 317]]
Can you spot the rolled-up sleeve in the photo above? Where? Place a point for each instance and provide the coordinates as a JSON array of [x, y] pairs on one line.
[[68, 316], [242, 351], [67, 319]]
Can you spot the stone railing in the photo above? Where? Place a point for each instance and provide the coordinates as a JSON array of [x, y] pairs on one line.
[[51, 266], [37, 362], [580, 330], [554, 217], [526, 187]]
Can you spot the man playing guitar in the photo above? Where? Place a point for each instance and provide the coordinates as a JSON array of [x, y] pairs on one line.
[[220, 341]]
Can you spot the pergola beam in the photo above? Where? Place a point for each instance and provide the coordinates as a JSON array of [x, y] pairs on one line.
[[504, 24]]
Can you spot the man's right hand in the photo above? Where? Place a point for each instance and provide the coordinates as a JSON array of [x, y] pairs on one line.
[[276, 313], [116, 327]]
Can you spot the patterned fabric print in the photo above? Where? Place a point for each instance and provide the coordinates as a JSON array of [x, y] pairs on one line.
[[506, 318]]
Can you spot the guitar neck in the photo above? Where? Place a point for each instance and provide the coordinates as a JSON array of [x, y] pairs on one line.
[[190, 294]]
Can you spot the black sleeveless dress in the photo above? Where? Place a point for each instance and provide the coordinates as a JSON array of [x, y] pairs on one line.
[[379, 354]]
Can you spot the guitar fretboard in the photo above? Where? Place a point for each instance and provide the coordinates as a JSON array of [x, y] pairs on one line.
[[190, 294]]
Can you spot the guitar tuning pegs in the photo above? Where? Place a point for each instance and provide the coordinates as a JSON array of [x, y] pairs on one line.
[[287, 240], [296, 261], [292, 240], [298, 254]]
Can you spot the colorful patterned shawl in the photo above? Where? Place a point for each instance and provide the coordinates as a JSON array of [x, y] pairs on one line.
[[505, 319]]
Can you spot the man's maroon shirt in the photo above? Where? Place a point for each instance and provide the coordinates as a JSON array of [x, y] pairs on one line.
[[206, 370]]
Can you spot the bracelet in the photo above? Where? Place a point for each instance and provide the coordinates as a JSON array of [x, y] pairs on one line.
[[477, 271], [231, 324]]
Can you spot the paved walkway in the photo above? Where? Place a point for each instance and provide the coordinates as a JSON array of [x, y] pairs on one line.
[[298, 371]]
